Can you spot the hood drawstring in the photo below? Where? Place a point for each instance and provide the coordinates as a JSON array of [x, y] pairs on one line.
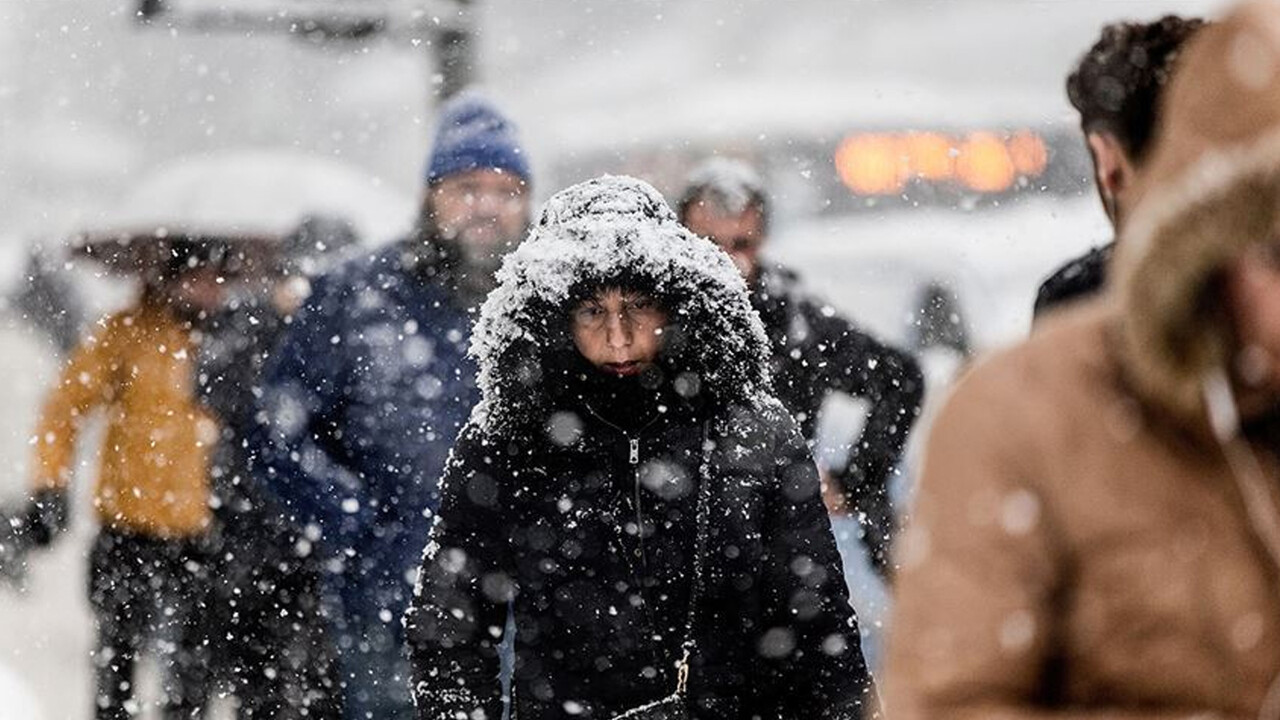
[[1250, 479]]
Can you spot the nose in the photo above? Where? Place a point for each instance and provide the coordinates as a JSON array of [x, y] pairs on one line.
[[618, 331], [488, 200]]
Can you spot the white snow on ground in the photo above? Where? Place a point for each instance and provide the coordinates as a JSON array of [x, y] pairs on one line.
[[16, 700]]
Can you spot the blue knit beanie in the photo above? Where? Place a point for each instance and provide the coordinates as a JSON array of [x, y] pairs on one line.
[[473, 134]]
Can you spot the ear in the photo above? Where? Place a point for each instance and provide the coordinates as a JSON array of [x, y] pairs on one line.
[[1112, 169]]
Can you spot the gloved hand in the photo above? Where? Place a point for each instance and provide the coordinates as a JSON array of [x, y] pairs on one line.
[[36, 525], [870, 503], [43, 519]]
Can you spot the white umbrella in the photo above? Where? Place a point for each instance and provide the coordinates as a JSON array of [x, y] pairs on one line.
[[245, 198]]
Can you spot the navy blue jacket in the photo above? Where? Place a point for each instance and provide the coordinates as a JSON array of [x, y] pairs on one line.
[[359, 407]]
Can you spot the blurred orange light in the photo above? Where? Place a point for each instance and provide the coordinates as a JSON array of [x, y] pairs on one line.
[[884, 163], [1029, 154], [872, 164], [984, 163], [929, 156]]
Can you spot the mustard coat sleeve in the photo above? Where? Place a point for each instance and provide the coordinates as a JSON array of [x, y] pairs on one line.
[[85, 384]]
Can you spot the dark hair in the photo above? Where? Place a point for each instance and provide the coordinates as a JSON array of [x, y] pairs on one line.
[[1117, 85], [625, 282]]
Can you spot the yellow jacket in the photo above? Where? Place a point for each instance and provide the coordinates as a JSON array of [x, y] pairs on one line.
[[154, 476]]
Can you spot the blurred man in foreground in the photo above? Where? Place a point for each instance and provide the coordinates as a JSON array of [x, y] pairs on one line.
[[1097, 531]]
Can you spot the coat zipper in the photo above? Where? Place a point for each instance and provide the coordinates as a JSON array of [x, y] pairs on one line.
[[633, 458], [634, 446]]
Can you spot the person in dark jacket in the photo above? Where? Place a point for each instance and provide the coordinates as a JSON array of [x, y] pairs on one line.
[[370, 385], [1117, 88], [630, 484], [267, 636], [816, 351]]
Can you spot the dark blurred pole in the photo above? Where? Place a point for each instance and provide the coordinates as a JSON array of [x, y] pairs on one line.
[[455, 51], [455, 56], [148, 10]]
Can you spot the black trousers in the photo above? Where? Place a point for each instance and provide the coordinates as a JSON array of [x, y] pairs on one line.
[[149, 594], [268, 637]]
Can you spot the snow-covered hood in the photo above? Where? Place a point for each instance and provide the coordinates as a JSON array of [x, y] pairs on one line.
[[602, 230]]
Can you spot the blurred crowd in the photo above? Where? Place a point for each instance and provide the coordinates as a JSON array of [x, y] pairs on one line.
[[557, 462]]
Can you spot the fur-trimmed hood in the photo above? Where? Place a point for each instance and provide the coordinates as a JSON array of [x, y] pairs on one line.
[[1210, 191], [597, 232]]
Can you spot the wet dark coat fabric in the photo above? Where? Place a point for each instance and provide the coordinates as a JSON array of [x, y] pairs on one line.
[[266, 633], [1079, 279], [574, 499], [817, 352], [359, 406]]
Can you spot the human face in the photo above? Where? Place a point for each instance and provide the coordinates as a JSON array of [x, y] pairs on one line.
[[1253, 291], [618, 331], [201, 291], [485, 211], [740, 235]]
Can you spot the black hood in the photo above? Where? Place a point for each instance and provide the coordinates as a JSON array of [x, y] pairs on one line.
[[614, 231]]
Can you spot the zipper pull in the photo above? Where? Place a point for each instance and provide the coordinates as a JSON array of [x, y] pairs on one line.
[[682, 674], [635, 450]]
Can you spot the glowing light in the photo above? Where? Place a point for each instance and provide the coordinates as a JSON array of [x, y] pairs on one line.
[[1029, 153], [930, 156], [988, 162], [984, 164], [872, 164]]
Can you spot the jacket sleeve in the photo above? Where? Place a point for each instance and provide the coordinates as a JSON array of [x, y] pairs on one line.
[[299, 417], [981, 565], [1078, 279], [813, 642], [890, 380], [455, 621], [85, 383]]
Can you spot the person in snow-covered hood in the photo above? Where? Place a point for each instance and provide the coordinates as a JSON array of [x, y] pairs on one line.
[[1117, 88], [371, 383], [148, 582], [1098, 527], [631, 485], [815, 351]]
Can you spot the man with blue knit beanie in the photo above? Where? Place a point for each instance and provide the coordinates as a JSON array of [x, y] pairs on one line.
[[364, 397]]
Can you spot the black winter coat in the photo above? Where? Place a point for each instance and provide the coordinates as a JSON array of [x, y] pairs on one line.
[[575, 500], [595, 543], [1078, 279], [817, 352], [267, 635]]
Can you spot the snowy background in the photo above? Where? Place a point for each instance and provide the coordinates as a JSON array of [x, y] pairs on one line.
[[91, 103]]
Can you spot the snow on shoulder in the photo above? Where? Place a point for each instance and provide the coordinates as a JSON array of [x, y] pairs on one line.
[[601, 230]]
